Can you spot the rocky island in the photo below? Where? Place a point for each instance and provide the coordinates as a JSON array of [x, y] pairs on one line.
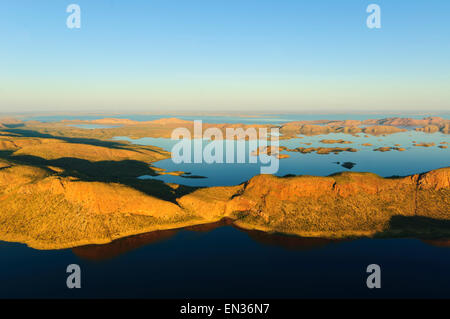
[[60, 189]]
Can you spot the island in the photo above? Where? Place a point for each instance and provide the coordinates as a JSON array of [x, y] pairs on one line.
[[60, 188]]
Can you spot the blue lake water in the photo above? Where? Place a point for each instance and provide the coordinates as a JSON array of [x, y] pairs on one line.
[[225, 262], [393, 163]]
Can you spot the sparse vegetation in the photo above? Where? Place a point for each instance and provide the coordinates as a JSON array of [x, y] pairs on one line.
[[58, 191]]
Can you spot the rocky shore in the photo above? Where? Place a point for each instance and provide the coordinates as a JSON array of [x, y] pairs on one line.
[[58, 191]]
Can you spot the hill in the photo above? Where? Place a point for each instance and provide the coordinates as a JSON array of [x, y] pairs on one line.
[[59, 193]]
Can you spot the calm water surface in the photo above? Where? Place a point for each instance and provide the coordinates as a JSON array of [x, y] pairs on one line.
[[393, 163], [227, 262], [222, 261]]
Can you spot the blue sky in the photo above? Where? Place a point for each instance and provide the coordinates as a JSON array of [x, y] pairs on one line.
[[224, 55]]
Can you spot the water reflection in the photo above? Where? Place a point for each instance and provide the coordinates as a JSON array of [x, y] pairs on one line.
[[391, 163], [438, 242], [290, 242], [127, 244], [121, 246]]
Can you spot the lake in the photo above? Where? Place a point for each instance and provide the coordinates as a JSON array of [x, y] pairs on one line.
[[220, 261], [413, 160]]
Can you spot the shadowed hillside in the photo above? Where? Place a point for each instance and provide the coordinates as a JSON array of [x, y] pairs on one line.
[[341, 205], [58, 193]]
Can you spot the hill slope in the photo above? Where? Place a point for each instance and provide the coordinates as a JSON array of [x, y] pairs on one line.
[[57, 194]]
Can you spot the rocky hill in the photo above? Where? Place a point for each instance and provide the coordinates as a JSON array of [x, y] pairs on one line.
[[47, 211], [346, 204], [66, 192]]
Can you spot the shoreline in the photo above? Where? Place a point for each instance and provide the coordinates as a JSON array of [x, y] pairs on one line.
[[426, 217], [61, 192], [39, 245], [355, 235]]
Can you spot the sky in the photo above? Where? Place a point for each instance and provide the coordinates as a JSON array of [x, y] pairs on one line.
[[224, 55]]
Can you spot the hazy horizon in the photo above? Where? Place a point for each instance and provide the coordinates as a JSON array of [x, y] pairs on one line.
[[174, 113]]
